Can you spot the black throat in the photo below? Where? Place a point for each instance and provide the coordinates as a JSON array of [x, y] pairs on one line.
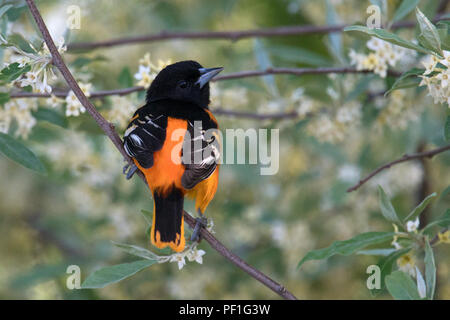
[[180, 110]]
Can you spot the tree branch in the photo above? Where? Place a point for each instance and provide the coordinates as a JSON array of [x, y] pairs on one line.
[[255, 116], [229, 76], [224, 35], [427, 154], [111, 133]]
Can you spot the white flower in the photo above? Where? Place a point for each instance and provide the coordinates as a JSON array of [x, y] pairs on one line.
[[25, 122], [145, 61], [54, 101], [332, 93], [429, 63], [381, 69], [279, 232], [74, 107], [196, 255], [349, 173], [444, 77], [210, 226], [43, 87], [375, 44], [144, 76], [446, 60], [412, 226], [297, 94], [86, 88], [120, 111], [356, 59], [179, 258], [142, 71], [393, 57], [407, 263], [30, 79]]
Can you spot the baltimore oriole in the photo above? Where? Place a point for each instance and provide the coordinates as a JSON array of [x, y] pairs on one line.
[[159, 135]]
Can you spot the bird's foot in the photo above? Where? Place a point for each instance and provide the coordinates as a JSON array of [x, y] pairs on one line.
[[201, 222], [131, 170]]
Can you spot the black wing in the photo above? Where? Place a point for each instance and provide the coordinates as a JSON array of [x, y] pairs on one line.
[[200, 153], [144, 135]]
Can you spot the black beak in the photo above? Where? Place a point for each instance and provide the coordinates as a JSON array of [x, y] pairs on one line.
[[206, 74]]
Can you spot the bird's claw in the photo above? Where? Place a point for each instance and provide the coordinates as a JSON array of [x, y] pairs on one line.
[[131, 170], [201, 222]]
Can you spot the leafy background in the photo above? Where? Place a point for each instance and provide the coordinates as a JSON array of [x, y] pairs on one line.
[[70, 214]]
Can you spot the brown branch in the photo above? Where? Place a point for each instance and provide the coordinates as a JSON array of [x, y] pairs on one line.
[[111, 133], [407, 157], [256, 116], [296, 72], [224, 35], [230, 76], [63, 93]]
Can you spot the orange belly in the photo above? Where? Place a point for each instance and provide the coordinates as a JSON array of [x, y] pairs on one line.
[[167, 168]]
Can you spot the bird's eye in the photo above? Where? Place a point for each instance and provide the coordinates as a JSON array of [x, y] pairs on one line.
[[182, 84]]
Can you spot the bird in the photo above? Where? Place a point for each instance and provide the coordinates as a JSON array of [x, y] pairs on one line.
[[164, 136]]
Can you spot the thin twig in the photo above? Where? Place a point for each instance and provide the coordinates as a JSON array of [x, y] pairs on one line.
[[63, 93], [229, 76], [111, 133], [407, 157], [436, 237], [256, 116], [224, 35]]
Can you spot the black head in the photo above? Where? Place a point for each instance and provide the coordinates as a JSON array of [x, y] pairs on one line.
[[185, 81]]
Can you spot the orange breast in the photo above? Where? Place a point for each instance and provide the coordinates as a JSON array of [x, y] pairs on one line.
[[167, 168]]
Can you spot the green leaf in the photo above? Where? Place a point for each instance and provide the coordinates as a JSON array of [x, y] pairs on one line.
[[17, 152], [386, 265], [264, 63], [18, 41], [443, 30], [136, 251], [84, 61], [377, 252], [4, 9], [401, 286], [404, 9], [443, 221], [419, 209], [386, 207], [389, 37], [429, 37], [447, 129], [125, 78], [13, 71], [444, 193], [109, 275], [348, 247], [334, 38], [148, 216], [51, 116], [4, 97], [15, 13], [430, 270], [405, 81]]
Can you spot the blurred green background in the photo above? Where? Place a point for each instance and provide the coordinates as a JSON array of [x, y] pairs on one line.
[[70, 216]]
